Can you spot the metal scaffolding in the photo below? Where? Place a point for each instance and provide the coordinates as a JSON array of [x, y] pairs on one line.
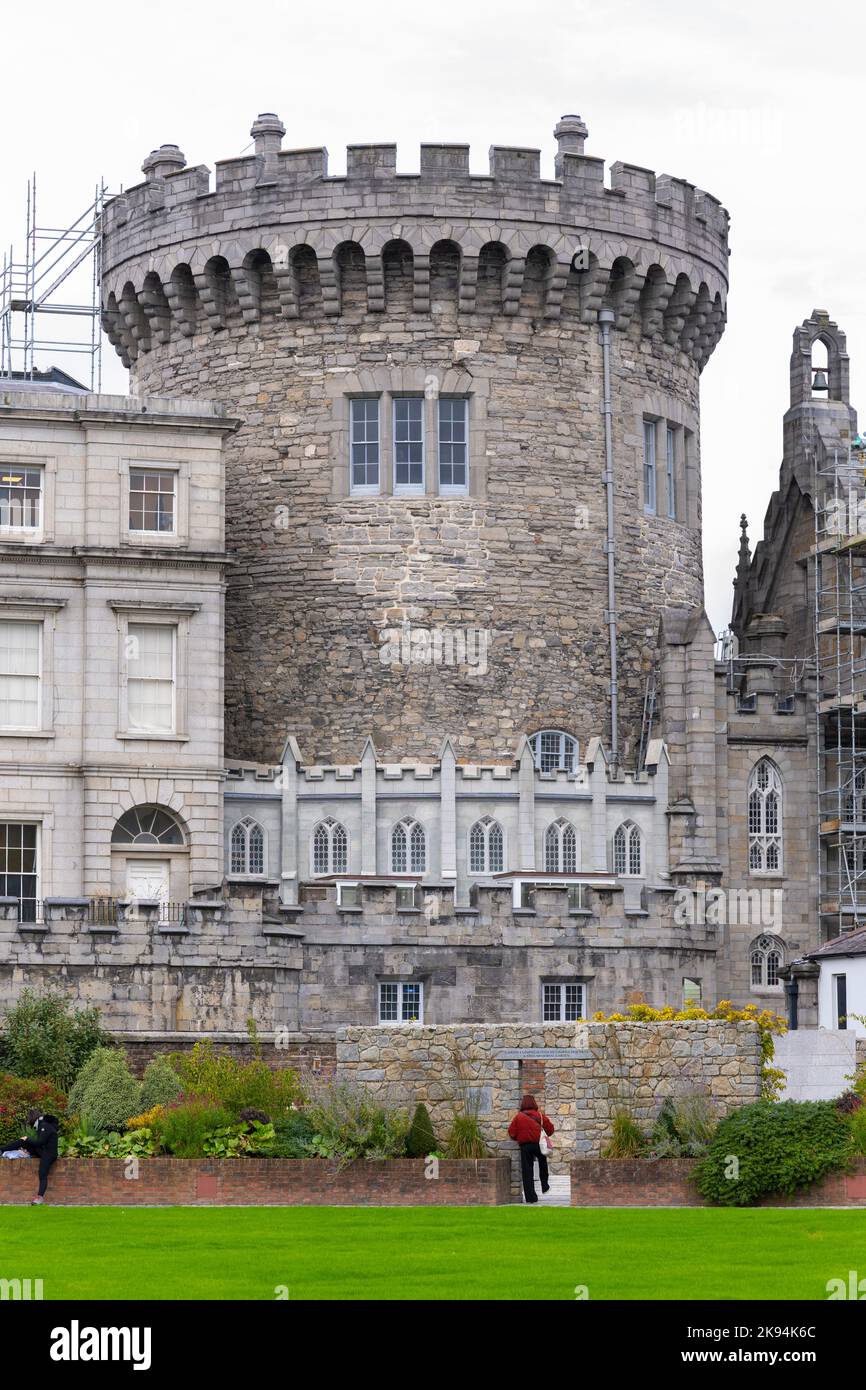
[[840, 651], [29, 289]]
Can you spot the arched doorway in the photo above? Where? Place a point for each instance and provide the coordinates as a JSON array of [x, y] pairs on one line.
[[150, 856]]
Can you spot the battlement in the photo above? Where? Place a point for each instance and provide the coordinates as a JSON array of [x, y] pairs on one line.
[[179, 253]]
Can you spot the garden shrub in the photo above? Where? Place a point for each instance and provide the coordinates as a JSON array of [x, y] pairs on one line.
[[684, 1126], [20, 1094], [421, 1140], [293, 1134], [236, 1085], [106, 1093], [45, 1037], [148, 1119], [627, 1139], [348, 1124], [160, 1084], [778, 1148], [464, 1138], [857, 1126], [81, 1144], [236, 1141], [183, 1129]]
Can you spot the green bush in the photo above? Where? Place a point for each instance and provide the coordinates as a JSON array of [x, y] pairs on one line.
[[236, 1141], [45, 1037], [773, 1147], [105, 1093], [627, 1139], [464, 1138], [20, 1094], [235, 1085], [183, 1129], [857, 1125], [421, 1140], [684, 1127], [160, 1084], [293, 1134], [82, 1144], [348, 1124]]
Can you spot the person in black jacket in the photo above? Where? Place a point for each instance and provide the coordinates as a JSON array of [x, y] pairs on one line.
[[43, 1147]]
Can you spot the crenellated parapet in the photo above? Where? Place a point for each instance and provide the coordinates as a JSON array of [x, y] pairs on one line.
[[278, 236]]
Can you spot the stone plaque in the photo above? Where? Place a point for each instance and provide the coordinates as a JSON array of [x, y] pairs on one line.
[[538, 1054]]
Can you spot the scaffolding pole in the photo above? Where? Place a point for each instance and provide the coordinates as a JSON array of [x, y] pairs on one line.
[[30, 293], [839, 575]]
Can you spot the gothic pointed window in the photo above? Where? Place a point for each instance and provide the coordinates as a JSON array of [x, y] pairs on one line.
[[330, 848], [766, 957], [560, 848], [765, 819], [408, 848], [247, 848], [486, 847], [628, 851]]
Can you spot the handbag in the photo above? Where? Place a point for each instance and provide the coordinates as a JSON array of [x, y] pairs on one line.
[[544, 1145]]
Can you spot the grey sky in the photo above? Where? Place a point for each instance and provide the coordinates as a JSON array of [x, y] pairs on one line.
[[760, 103]]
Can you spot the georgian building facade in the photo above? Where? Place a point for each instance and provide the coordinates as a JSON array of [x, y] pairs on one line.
[[112, 563]]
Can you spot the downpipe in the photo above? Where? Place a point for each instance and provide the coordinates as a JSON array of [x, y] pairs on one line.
[[606, 320]]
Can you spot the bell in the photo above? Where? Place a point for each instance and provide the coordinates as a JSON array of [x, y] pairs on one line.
[[819, 380]]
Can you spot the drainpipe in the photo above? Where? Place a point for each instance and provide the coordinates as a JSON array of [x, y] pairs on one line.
[[792, 992], [606, 319]]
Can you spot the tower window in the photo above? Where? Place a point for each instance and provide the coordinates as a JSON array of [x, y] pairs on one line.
[[670, 471], [649, 466], [765, 819], [453, 444], [409, 444], [364, 444]]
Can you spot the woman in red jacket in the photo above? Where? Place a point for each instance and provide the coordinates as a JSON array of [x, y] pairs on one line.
[[526, 1129]]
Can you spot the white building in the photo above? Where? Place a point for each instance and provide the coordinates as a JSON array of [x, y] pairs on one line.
[[111, 646], [842, 982]]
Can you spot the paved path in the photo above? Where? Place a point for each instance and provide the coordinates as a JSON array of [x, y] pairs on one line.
[[559, 1194]]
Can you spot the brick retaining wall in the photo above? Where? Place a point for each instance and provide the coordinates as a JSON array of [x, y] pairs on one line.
[[306, 1052], [669, 1182], [164, 1182]]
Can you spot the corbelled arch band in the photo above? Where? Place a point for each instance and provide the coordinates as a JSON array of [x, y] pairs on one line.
[[299, 274]]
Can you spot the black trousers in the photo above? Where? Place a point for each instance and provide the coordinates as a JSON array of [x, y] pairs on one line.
[[46, 1161], [529, 1153]]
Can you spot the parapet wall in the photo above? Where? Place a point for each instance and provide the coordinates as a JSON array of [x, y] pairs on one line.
[[177, 254]]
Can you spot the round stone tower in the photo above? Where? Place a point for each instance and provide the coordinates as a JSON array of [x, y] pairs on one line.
[[424, 502]]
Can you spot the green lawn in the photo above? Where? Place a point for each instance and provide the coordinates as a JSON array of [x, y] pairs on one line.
[[424, 1253]]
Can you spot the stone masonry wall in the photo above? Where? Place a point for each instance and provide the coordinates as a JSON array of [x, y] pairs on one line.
[[285, 292], [581, 1073]]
